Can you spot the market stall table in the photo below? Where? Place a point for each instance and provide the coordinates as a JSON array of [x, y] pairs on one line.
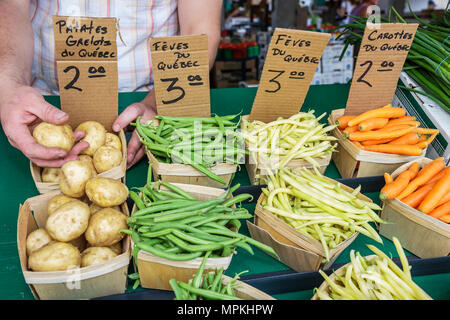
[[17, 185]]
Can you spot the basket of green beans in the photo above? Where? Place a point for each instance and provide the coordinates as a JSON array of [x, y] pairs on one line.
[[174, 225], [193, 150], [214, 285]]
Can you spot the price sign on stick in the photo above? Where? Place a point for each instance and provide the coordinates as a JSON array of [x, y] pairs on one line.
[[290, 65], [380, 60], [86, 59], [181, 75]]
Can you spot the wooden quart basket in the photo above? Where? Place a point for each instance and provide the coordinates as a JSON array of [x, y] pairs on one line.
[[247, 292], [420, 234], [352, 162], [155, 272], [296, 250], [257, 174], [117, 173], [107, 278], [186, 174], [341, 272]]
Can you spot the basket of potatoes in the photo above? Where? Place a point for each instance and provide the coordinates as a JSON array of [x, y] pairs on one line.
[[69, 242], [106, 154]]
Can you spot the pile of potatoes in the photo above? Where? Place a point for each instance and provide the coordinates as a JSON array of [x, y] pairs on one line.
[[104, 151], [83, 224]]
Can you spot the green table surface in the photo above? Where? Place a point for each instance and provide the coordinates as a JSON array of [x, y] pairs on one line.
[[16, 185]]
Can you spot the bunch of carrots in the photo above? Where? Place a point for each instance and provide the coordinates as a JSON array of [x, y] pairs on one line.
[[426, 189], [388, 130]]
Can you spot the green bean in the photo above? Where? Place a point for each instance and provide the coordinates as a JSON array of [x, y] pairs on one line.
[[168, 256], [164, 207], [200, 247], [236, 199], [137, 200], [198, 277], [176, 289], [177, 190], [208, 294]]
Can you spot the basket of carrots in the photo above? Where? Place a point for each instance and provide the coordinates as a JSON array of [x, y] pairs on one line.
[[416, 203], [378, 140]]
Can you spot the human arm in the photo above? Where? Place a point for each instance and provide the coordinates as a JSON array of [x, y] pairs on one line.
[[21, 106]]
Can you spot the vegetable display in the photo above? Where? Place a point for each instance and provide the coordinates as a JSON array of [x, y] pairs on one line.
[[201, 142], [205, 286], [427, 189], [319, 208], [374, 277], [276, 143], [427, 61], [387, 130], [172, 224]]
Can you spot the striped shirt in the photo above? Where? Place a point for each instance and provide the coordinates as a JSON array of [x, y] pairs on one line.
[[139, 20]]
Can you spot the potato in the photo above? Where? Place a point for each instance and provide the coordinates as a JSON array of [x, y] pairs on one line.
[[106, 158], [52, 135], [37, 239], [69, 221], [96, 255], [88, 160], [56, 256], [50, 175], [56, 202], [94, 208], [80, 242], [95, 135], [106, 192], [113, 140], [104, 226], [74, 175], [117, 248]]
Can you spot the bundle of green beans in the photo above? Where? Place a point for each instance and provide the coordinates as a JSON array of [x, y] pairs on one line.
[[301, 136], [201, 142], [172, 224], [428, 60], [205, 286], [375, 277], [318, 208]]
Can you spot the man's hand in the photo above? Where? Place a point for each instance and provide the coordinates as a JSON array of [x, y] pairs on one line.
[[146, 109], [21, 109]]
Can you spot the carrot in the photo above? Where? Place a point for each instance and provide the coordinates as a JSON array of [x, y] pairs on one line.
[[423, 176], [359, 145], [376, 141], [440, 211], [414, 168], [405, 118], [393, 128], [440, 189], [409, 138], [386, 112], [372, 123], [444, 199], [342, 121], [422, 138], [387, 178], [404, 149], [424, 144], [406, 122], [445, 218], [350, 129], [415, 198], [426, 131], [391, 190], [378, 134]]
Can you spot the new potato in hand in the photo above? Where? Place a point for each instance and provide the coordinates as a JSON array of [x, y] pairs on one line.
[[54, 136], [95, 135], [106, 158]]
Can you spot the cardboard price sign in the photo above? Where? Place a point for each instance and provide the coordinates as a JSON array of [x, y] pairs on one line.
[[86, 59], [380, 60], [181, 75], [289, 68]]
